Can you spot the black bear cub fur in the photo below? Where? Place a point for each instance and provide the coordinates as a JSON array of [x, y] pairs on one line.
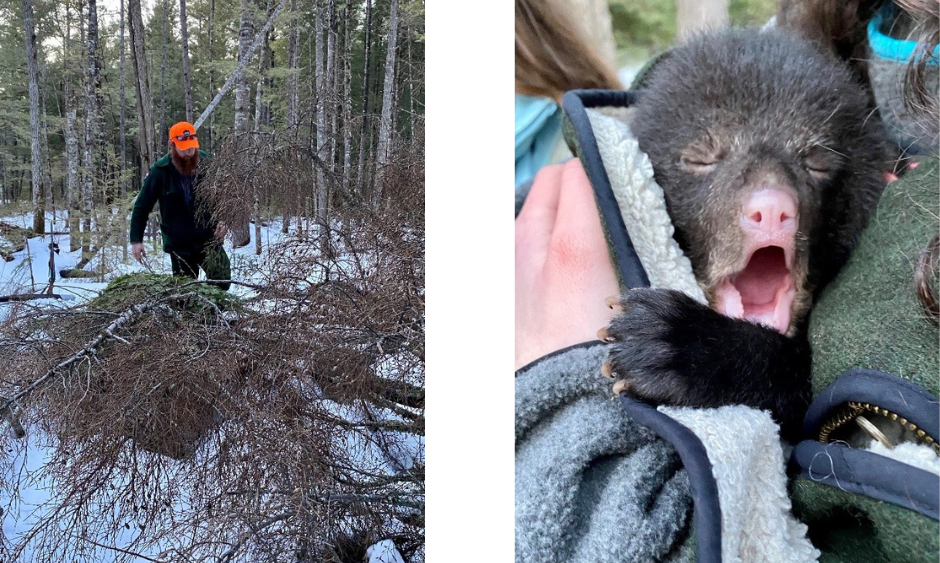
[[721, 118]]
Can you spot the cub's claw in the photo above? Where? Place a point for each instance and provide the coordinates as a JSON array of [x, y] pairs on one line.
[[606, 371], [621, 386], [648, 345]]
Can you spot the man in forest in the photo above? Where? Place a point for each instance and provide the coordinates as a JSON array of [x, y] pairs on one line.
[[191, 236]]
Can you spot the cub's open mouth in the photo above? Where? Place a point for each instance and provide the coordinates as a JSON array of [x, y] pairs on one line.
[[762, 292]]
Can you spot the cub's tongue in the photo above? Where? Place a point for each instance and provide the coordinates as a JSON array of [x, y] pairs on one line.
[[762, 293]]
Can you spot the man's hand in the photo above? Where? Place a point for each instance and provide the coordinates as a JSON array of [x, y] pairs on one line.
[[220, 231], [137, 249], [563, 269]]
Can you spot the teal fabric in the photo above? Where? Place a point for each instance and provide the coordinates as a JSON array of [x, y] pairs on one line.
[[889, 48], [538, 130]]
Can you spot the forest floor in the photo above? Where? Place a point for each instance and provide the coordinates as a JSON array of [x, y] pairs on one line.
[[27, 271]]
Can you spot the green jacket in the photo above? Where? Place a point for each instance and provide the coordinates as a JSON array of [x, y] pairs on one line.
[[183, 229], [870, 317]]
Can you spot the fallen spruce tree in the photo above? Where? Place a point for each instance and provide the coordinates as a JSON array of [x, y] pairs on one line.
[[155, 372]]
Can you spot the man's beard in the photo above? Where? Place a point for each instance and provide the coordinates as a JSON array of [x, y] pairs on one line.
[[185, 166]]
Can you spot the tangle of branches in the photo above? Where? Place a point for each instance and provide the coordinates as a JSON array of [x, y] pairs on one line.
[[180, 423]]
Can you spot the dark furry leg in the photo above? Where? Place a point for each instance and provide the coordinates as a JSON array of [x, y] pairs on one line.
[[672, 350]]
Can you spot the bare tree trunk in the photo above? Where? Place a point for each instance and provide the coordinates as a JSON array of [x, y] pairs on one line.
[[293, 61], [257, 226], [318, 69], [122, 188], [262, 71], [321, 79], [259, 120], [293, 93], [145, 125], [38, 188], [385, 128], [91, 125], [20, 179], [184, 38], [377, 88], [163, 125], [409, 64], [259, 90], [240, 232], [211, 69], [242, 85], [3, 180], [698, 15], [332, 77], [363, 145], [71, 175], [347, 97], [123, 109], [48, 186]]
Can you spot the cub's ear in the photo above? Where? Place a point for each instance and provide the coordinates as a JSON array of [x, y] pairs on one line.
[[837, 25]]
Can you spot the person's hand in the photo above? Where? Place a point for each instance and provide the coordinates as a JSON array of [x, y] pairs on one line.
[[220, 230], [137, 250], [563, 270]]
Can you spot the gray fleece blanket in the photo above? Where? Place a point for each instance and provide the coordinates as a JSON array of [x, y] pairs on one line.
[[579, 494], [594, 485]]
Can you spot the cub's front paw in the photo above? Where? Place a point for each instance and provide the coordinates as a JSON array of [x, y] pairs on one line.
[[653, 342]]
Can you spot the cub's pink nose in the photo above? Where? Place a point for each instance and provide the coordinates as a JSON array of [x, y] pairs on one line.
[[770, 210]]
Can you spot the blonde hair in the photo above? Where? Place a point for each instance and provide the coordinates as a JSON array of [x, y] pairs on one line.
[[552, 57]]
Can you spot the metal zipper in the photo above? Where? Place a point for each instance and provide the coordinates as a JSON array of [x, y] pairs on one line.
[[853, 410]]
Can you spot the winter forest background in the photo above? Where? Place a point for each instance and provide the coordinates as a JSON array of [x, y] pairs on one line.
[[165, 420], [86, 105]]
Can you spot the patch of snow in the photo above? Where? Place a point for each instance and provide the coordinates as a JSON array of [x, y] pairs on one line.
[[384, 552]]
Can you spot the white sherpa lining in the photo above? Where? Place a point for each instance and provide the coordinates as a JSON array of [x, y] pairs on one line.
[[642, 206], [742, 443], [918, 455], [748, 463]]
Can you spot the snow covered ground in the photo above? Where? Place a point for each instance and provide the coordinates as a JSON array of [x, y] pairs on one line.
[[29, 272]]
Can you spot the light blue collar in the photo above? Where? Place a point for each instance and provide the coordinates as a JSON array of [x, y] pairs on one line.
[[889, 48], [538, 130]]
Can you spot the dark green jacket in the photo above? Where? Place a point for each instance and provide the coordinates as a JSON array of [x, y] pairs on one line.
[[183, 229], [870, 317]]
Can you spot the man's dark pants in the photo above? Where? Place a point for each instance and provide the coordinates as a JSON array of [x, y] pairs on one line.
[[213, 261]]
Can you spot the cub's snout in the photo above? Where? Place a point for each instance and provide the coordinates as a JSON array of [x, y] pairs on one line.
[[763, 287]]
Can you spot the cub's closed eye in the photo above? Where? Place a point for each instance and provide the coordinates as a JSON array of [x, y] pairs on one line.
[[699, 164], [818, 169]]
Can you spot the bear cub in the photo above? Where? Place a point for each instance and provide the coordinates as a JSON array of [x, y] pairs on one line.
[[771, 157]]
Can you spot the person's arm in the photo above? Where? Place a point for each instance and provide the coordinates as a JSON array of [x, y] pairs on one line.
[[143, 205]]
